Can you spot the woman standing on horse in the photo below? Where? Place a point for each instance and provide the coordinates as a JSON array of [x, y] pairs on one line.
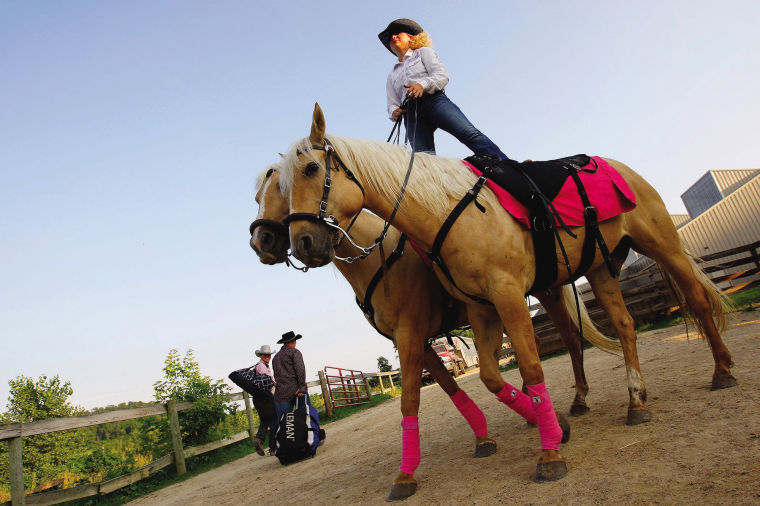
[[421, 76]]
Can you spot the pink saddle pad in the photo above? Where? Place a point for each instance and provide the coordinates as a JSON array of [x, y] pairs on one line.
[[606, 190]]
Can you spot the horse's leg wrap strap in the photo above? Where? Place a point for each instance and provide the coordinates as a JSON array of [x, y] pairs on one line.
[[548, 427], [471, 412], [410, 444], [518, 401]]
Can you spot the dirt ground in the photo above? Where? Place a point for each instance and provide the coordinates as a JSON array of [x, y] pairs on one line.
[[701, 447]]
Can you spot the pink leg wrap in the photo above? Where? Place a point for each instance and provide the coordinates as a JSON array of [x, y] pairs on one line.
[[548, 427], [410, 444], [471, 412], [518, 401]]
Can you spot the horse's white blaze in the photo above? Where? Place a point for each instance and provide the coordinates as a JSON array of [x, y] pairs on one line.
[[262, 210]]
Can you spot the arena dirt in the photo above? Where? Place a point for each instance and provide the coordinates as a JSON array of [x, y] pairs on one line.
[[701, 447]]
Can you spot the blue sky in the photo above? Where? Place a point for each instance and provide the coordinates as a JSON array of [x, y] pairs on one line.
[[131, 134]]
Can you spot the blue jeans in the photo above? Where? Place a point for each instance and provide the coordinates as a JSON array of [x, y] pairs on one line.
[[437, 111], [284, 407]]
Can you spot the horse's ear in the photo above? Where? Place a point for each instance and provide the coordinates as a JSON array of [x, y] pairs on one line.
[[281, 155], [317, 135]]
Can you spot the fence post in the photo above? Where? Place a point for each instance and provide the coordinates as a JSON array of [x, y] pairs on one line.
[[390, 378], [369, 390], [382, 385], [17, 472], [179, 452], [249, 412], [325, 394]]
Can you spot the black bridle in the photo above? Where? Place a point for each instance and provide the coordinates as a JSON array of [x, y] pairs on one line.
[[322, 216], [330, 220]]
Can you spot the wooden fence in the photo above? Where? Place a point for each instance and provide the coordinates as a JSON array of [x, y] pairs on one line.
[[647, 295], [14, 432]]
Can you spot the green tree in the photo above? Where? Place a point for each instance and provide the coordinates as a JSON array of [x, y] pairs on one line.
[[45, 455], [183, 382], [43, 399], [383, 365]]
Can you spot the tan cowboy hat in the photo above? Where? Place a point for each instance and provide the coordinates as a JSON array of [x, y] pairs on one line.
[[265, 350]]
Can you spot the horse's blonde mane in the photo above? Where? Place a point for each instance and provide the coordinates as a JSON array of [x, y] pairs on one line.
[[381, 167]]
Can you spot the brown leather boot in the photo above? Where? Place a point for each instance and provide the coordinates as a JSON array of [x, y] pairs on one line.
[[259, 446]]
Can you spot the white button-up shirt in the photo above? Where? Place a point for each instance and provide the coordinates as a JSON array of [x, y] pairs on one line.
[[419, 66]]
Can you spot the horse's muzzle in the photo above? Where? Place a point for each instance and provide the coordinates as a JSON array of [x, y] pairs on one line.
[[270, 246], [313, 246]]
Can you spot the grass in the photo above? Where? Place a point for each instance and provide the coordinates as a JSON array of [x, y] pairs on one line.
[[168, 475], [747, 299]]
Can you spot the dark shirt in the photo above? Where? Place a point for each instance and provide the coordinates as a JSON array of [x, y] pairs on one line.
[[289, 374]]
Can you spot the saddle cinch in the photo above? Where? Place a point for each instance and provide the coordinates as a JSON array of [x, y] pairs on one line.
[[535, 185]]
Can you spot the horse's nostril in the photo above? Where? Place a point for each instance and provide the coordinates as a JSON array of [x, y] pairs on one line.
[[267, 239], [306, 243]]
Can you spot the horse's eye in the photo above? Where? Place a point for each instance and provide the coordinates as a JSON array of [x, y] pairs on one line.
[[311, 169]]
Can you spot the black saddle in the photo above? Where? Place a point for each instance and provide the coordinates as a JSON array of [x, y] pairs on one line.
[[535, 185], [549, 176]]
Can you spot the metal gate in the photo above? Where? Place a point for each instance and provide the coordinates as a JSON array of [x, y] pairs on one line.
[[346, 386]]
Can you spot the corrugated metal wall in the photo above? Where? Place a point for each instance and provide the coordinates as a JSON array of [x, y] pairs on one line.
[[729, 181], [733, 222], [679, 219]]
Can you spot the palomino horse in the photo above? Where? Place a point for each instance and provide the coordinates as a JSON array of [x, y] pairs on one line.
[[414, 306], [490, 255]]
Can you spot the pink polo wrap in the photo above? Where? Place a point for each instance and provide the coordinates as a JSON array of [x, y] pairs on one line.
[[548, 427], [471, 412], [410, 444], [518, 401]]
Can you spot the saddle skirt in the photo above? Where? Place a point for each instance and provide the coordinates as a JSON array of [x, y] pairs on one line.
[[606, 189]]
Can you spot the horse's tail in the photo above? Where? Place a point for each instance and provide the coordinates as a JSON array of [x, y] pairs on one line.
[[590, 332], [719, 303]]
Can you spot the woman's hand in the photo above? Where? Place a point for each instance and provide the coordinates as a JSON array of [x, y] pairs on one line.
[[414, 90], [397, 113]]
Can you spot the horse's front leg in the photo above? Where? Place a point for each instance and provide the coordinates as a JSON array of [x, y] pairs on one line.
[[410, 352], [484, 445], [554, 305], [514, 314]]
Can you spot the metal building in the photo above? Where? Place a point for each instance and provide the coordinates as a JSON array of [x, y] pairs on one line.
[[714, 186], [732, 222]]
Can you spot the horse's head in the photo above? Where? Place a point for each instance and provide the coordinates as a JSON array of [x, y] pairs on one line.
[[323, 191], [269, 236]]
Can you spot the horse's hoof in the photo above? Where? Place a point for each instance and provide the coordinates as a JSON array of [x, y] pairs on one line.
[[550, 471], [485, 449], [720, 382], [637, 416], [578, 410], [400, 491], [565, 426]]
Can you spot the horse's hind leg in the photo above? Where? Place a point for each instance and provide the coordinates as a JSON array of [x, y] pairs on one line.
[[703, 301], [607, 292], [555, 307]]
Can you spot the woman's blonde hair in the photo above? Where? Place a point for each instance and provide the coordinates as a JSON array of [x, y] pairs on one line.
[[422, 39]]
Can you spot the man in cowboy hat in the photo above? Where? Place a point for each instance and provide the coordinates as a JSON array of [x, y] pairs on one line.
[[289, 374], [263, 401]]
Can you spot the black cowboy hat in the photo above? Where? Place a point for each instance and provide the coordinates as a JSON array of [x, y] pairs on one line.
[[288, 337], [401, 25]]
